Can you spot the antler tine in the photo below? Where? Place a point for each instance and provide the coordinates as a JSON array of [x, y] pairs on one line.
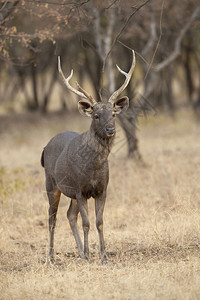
[[84, 94], [126, 82]]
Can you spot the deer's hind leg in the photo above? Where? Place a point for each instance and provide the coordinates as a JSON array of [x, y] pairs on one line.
[[72, 215], [54, 197]]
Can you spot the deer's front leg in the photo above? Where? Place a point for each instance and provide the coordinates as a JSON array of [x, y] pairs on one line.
[[83, 208], [99, 208]]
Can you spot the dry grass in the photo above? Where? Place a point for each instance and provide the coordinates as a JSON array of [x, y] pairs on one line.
[[152, 216]]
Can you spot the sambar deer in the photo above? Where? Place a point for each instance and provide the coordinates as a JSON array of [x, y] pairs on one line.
[[77, 164]]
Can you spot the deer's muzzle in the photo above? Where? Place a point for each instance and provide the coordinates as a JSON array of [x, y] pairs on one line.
[[110, 131]]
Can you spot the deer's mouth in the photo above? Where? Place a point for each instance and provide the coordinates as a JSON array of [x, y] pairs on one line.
[[111, 134]]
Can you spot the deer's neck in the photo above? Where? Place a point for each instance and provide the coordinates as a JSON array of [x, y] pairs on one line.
[[98, 145]]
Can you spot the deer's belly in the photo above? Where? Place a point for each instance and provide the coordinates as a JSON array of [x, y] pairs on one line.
[[86, 187], [66, 185], [92, 189]]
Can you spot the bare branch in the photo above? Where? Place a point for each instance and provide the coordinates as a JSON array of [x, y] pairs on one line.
[[7, 12], [76, 5], [4, 5], [158, 43], [152, 36], [111, 4], [177, 48], [117, 37], [124, 27]]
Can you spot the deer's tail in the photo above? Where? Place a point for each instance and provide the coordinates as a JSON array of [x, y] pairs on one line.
[[42, 159]]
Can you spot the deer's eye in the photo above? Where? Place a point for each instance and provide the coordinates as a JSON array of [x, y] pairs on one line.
[[96, 117]]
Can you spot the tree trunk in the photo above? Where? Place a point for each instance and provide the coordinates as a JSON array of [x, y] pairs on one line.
[[188, 73], [103, 37], [129, 128], [49, 90], [35, 105]]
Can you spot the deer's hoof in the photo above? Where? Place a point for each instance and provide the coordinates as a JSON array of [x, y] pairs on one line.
[[81, 255], [86, 256], [105, 262], [104, 259], [50, 260]]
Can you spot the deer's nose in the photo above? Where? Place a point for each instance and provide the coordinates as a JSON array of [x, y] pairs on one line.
[[110, 130]]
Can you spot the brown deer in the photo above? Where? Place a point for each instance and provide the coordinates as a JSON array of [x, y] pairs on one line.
[[77, 164]]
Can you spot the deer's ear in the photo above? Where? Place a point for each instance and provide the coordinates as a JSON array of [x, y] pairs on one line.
[[121, 105], [85, 108]]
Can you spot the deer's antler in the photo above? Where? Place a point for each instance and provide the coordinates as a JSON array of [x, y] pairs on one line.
[[126, 82], [83, 93]]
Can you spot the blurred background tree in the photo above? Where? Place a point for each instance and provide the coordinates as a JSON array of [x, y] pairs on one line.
[[88, 37]]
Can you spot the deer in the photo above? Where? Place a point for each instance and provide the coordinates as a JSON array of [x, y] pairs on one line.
[[76, 164]]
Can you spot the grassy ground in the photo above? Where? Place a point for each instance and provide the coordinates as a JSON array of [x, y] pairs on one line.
[[152, 216]]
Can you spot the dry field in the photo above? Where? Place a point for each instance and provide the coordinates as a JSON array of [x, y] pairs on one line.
[[152, 216]]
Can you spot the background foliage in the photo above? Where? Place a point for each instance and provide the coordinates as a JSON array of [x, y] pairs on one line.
[[34, 33]]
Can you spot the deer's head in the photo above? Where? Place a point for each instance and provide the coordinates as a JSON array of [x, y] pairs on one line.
[[103, 114]]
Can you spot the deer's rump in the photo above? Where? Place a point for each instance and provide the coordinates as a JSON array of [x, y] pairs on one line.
[[55, 147]]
